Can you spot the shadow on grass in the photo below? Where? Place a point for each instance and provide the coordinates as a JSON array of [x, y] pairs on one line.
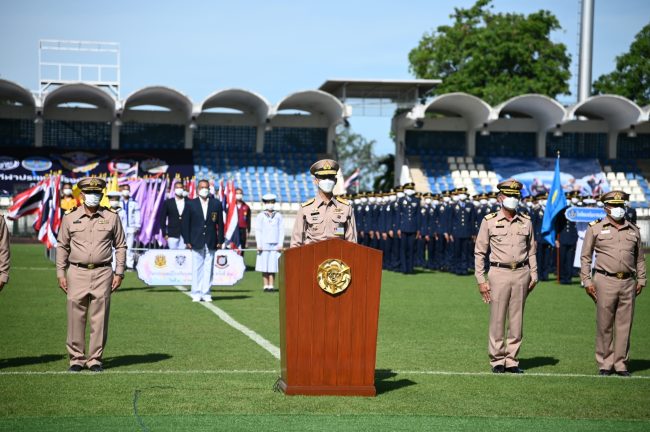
[[638, 365], [230, 297], [385, 381], [28, 361], [127, 360], [168, 290], [535, 362]]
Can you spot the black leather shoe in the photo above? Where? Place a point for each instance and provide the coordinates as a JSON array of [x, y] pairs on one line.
[[515, 370], [75, 368], [96, 368], [499, 369], [604, 372], [623, 373]]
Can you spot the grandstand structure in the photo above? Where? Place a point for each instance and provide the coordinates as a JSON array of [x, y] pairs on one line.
[[445, 140]]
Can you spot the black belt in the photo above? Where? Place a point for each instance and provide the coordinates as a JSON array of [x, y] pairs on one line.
[[91, 266], [619, 275], [511, 266]]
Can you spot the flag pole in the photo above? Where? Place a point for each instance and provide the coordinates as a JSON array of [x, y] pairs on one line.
[[557, 249]]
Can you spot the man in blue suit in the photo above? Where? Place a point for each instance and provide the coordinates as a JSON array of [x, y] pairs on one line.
[[408, 224], [203, 233]]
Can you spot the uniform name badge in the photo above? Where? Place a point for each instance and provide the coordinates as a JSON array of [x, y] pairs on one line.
[[340, 230]]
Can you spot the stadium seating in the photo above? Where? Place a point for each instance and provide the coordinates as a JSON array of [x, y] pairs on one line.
[[449, 172], [625, 174]]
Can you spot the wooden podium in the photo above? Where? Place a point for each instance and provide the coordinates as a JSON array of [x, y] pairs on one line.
[[328, 341]]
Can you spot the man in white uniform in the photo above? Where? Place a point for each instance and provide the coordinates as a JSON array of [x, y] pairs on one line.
[[130, 217]]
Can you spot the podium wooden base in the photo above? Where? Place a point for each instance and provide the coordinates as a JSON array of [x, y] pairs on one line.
[[328, 390]]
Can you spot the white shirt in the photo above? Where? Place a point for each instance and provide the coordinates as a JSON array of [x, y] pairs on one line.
[[180, 205], [204, 206]]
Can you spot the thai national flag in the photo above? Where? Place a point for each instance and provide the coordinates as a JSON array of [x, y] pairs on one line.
[[48, 220], [27, 202], [231, 233], [355, 175]]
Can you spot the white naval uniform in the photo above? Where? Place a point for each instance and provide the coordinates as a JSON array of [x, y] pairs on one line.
[[269, 235], [131, 222]]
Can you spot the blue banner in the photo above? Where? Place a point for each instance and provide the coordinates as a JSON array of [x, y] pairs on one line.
[[582, 175], [584, 214], [554, 205]]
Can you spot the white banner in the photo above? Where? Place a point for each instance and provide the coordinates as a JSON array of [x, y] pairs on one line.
[[174, 267]]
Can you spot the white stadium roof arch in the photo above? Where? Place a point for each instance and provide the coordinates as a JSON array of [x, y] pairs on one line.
[[243, 100], [80, 93], [161, 96], [545, 111], [314, 102], [14, 92], [617, 111], [475, 110]]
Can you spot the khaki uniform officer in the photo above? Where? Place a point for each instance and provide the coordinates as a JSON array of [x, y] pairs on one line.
[[509, 237], [324, 216], [86, 240], [619, 261], [4, 253]]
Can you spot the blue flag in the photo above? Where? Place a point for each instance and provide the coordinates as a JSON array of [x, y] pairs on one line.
[[554, 205]]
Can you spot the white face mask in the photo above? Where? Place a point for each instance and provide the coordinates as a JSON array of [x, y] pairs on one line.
[[542, 202], [179, 192], [326, 185], [400, 194], [483, 201], [510, 203], [427, 200], [617, 213], [269, 206], [204, 192], [445, 199], [574, 200], [114, 204], [435, 202], [462, 197], [364, 200], [371, 199], [492, 200], [67, 192], [455, 198], [212, 190], [239, 197], [392, 198], [529, 204], [409, 192], [92, 200], [599, 204], [357, 201], [126, 193]]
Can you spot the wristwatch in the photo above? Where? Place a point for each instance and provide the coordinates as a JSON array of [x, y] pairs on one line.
[[120, 275]]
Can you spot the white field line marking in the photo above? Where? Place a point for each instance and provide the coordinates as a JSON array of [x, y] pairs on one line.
[[262, 371], [223, 315]]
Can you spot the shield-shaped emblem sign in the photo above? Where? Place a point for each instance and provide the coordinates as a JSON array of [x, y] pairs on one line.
[[222, 261], [180, 260]]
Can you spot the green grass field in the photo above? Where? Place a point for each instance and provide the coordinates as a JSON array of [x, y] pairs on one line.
[[172, 365]]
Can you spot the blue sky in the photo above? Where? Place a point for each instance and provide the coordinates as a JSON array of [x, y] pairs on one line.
[[277, 47]]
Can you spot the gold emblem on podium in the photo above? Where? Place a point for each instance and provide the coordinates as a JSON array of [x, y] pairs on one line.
[[160, 261], [333, 276]]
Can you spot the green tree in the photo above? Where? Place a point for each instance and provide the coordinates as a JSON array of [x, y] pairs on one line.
[[355, 151], [631, 78], [494, 56], [384, 181]]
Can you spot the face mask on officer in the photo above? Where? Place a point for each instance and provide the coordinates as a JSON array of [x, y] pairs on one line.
[[67, 191], [462, 197], [364, 200], [239, 197], [483, 201], [372, 199], [574, 200], [204, 192], [326, 184], [357, 201], [510, 202], [492, 200], [392, 198], [600, 204], [427, 200], [409, 192], [400, 194], [179, 192], [435, 202], [269, 206], [126, 193], [446, 199], [92, 199], [617, 213], [455, 198], [114, 204]]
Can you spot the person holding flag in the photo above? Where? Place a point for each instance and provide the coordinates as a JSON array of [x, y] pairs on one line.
[[555, 204], [4, 253]]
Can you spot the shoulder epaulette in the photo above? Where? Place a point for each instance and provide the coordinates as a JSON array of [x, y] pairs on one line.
[[70, 210], [526, 215], [343, 201], [111, 209], [306, 203], [592, 223], [490, 215]]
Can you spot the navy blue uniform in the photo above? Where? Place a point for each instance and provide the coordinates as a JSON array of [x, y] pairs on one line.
[[568, 237], [408, 222], [462, 229], [544, 250], [421, 243]]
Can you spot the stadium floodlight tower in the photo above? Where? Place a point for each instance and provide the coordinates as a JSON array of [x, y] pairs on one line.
[[63, 62]]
